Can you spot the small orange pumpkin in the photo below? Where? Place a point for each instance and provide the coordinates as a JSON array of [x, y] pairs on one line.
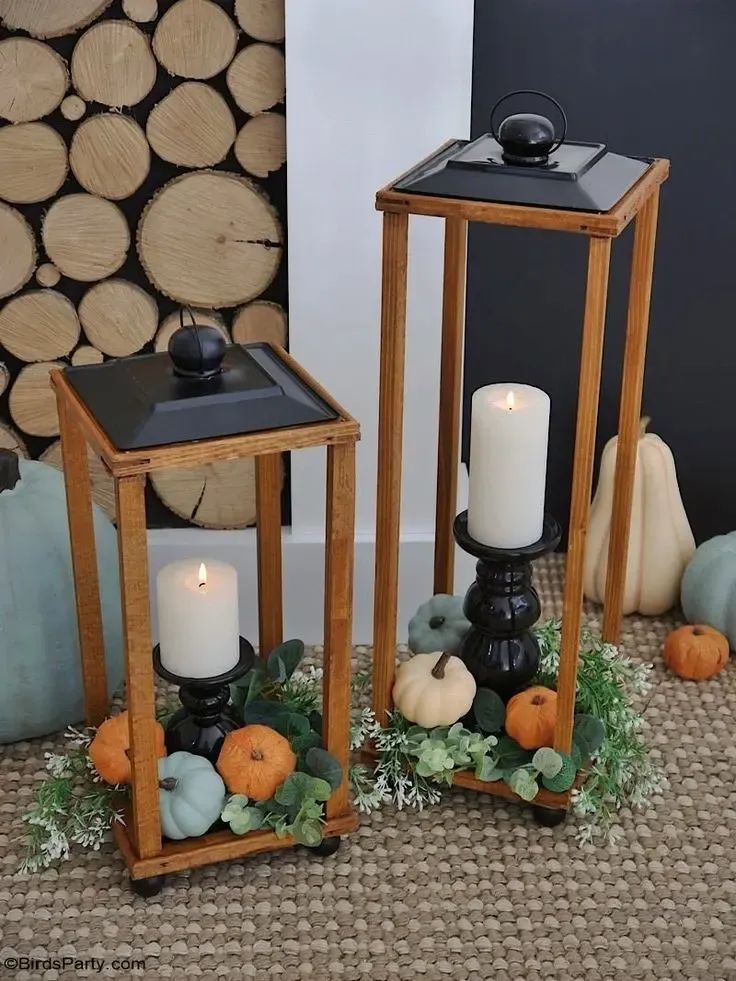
[[255, 761], [531, 717], [696, 652], [109, 749]]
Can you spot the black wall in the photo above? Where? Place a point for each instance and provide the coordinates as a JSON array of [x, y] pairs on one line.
[[647, 77]]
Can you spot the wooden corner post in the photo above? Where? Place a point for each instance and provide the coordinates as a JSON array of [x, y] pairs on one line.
[[632, 386], [390, 431], [591, 357], [268, 536], [448, 435]]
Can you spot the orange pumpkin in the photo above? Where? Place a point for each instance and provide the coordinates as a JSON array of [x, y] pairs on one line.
[[531, 717], [696, 652], [109, 749], [255, 761]]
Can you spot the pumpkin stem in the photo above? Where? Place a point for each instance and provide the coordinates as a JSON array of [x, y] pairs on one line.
[[256, 754], [436, 622], [698, 631], [644, 425], [9, 470], [168, 783], [438, 671]]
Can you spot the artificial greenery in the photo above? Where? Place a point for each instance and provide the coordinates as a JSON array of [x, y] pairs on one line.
[[72, 807], [622, 773], [296, 809]]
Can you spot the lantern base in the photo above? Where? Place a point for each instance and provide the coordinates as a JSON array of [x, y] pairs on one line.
[[499, 649], [200, 726]]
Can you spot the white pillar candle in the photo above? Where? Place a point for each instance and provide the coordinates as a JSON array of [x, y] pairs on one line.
[[198, 620], [509, 433]]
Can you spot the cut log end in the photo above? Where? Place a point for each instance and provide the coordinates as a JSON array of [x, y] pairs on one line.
[[33, 163], [260, 321], [32, 401], [50, 18], [39, 326], [47, 275], [86, 354], [260, 147], [210, 239], [4, 377], [73, 108], [113, 64], [110, 156], [192, 127], [10, 440], [257, 78], [215, 495], [141, 11], [118, 317], [195, 39], [264, 20], [18, 251], [86, 237], [33, 79]]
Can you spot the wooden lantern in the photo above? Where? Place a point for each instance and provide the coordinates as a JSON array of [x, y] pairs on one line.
[[140, 840], [640, 204]]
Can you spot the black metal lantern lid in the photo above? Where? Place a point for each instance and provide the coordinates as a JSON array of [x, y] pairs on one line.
[[202, 389], [527, 160]]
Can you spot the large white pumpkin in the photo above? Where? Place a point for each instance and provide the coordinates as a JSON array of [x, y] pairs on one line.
[[661, 542], [40, 673], [433, 689]]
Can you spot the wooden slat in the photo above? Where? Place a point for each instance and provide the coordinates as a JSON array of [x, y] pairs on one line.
[[448, 443], [221, 846], [268, 524], [339, 549], [84, 564], [591, 355], [609, 224], [130, 462], [635, 352], [132, 547], [390, 433]]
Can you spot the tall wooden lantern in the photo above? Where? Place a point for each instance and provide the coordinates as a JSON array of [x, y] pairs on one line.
[[202, 404], [523, 174]]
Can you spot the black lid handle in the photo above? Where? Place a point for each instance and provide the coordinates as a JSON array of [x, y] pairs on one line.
[[542, 95]]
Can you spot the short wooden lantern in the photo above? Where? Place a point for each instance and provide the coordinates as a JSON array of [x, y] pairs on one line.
[[420, 192], [140, 840]]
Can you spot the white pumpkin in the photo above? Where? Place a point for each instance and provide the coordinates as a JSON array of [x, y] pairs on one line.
[[661, 542], [433, 689]]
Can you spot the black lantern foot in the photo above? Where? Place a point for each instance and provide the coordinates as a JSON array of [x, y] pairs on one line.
[[148, 888], [327, 847], [502, 605], [200, 726], [549, 818]]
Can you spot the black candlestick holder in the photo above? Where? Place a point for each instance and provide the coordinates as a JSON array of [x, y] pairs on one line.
[[205, 718], [502, 605]]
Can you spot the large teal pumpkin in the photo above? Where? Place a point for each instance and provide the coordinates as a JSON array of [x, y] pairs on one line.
[[191, 795], [708, 591], [40, 673]]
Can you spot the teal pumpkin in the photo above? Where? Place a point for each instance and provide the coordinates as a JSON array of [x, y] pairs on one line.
[[438, 625], [708, 590], [191, 795], [40, 672]]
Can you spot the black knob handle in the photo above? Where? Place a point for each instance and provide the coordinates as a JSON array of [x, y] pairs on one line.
[[527, 138], [196, 350]]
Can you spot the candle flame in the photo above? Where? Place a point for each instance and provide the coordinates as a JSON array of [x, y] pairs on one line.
[[510, 400], [202, 575]]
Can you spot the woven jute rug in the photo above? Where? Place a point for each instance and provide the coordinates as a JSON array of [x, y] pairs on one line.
[[472, 889]]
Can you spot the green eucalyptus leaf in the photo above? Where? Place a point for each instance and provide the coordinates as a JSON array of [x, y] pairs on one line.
[[523, 784], [439, 733], [324, 765], [284, 660], [305, 742], [234, 806], [307, 832], [264, 712], [489, 710], [315, 721], [547, 761], [249, 819], [486, 769], [588, 734], [511, 755]]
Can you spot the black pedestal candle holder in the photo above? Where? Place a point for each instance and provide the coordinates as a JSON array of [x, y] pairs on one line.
[[502, 605], [200, 726]]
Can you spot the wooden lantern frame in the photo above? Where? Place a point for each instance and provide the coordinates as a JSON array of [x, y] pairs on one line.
[[139, 839], [640, 204]]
